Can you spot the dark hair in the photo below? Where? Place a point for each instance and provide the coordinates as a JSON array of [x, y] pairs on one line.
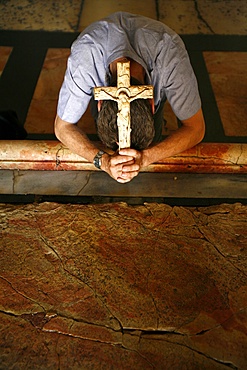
[[141, 118]]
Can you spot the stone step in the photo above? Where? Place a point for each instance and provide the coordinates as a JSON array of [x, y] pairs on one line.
[[208, 170], [52, 155]]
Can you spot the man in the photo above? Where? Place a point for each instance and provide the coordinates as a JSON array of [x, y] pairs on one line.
[[157, 57]]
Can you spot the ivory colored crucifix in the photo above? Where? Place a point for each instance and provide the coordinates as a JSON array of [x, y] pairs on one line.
[[123, 94]]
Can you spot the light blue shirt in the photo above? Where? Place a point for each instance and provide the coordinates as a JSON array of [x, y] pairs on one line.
[[150, 43]]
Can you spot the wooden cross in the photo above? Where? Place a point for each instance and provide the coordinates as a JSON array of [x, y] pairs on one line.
[[123, 94]]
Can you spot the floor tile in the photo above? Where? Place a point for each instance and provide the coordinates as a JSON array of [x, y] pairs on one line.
[[94, 10], [5, 52], [42, 111], [227, 72], [207, 17], [181, 16], [62, 15], [224, 17]]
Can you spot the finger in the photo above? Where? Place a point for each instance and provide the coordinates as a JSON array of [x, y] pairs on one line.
[[128, 151], [121, 159], [131, 168], [129, 175], [122, 180]]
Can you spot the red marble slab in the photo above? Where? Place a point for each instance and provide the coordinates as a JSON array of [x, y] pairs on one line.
[[52, 155], [113, 286]]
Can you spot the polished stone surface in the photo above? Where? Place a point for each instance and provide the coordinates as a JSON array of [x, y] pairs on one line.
[[49, 168], [184, 16], [165, 289], [227, 72], [53, 155], [103, 9], [97, 184], [58, 15], [205, 17], [42, 110]]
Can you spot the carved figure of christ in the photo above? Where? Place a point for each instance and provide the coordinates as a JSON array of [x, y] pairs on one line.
[[123, 94]]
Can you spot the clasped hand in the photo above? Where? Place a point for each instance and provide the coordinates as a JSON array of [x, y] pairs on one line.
[[124, 165]]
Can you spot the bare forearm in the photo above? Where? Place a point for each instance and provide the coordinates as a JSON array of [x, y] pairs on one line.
[[181, 140], [187, 136], [74, 138]]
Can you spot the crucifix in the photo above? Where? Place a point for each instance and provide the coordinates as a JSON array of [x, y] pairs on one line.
[[123, 94]]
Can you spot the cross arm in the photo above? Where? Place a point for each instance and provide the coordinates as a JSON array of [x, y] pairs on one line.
[[141, 92], [105, 93]]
